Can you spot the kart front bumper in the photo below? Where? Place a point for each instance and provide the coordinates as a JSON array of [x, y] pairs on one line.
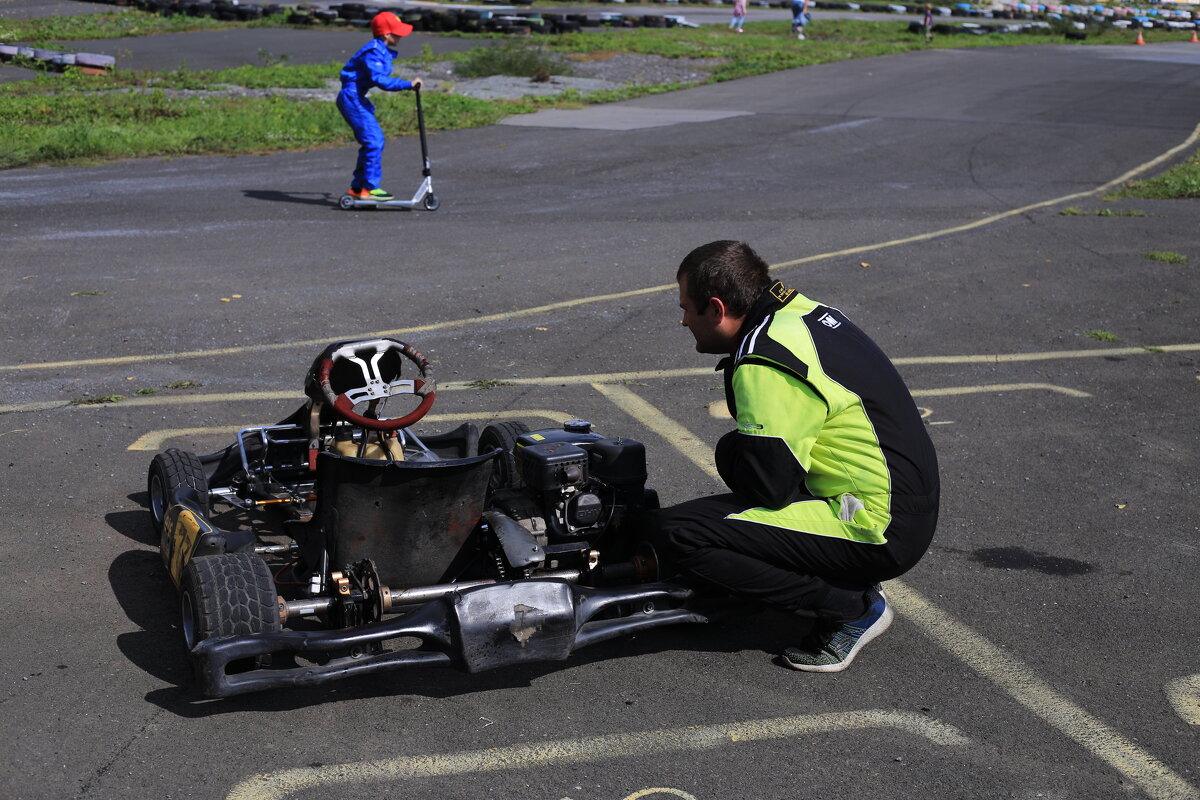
[[475, 629]]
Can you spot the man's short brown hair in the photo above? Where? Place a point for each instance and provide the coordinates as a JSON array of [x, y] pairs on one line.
[[726, 269]]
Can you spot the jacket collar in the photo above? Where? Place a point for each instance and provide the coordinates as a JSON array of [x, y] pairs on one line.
[[773, 298]]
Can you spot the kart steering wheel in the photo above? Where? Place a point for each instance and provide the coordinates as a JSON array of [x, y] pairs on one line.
[[377, 378]]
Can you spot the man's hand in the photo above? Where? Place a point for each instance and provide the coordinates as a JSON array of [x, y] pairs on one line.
[[417, 84]]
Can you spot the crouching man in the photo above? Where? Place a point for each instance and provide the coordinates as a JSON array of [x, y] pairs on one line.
[[833, 478]]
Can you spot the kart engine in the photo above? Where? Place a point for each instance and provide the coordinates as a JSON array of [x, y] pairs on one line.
[[573, 492]]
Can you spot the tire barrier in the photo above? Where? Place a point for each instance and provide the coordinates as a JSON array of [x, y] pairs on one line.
[[1073, 20], [56, 60]]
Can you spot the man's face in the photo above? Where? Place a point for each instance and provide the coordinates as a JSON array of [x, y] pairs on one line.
[[703, 323]]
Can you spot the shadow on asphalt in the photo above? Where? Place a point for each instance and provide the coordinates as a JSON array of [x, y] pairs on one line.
[[759, 631], [304, 198]]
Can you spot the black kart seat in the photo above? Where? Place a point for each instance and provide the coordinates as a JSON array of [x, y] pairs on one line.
[[412, 518]]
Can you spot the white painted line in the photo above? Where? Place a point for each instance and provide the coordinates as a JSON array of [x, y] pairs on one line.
[[1154, 778], [680, 437], [521, 757], [1184, 696]]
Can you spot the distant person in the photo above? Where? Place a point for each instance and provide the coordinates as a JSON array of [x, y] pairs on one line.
[[371, 66], [833, 480], [928, 22], [800, 17], [739, 15]]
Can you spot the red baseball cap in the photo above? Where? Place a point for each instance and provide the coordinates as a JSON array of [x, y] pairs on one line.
[[387, 22]]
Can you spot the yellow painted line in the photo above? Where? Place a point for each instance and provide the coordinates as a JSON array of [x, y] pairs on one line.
[[604, 298], [639, 744], [1184, 695], [630, 377], [924, 237], [951, 391], [718, 408], [1049, 355], [154, 440], [1155, 778], [680, 437]]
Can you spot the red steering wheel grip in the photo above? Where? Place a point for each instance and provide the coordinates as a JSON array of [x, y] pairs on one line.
[[346, 409]]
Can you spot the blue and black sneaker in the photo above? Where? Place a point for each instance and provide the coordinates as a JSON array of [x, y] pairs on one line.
[[833, 652]]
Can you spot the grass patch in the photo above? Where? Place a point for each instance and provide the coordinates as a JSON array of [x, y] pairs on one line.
[[47, 31], [147, 390], [489, 383], [96, 401], [1072, 211], [513, 58], [71, 118], [1128, 212], [1102, 336], [1180, 181], [1166, 256], [181, 385]]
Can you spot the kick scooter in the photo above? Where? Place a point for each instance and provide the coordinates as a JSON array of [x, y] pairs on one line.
[[423, 197]]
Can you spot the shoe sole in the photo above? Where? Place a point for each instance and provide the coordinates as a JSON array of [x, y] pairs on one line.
[[882, 624]]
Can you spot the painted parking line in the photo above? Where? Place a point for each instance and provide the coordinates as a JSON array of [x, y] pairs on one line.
[[275, 785], [625, 377], [154, 440], [1153, 163], [1184, 696], [1155, 778]]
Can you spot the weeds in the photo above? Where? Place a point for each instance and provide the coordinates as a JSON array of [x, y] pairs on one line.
[[96, 401], [1102, 336], [1166, 256], [1180, 181], [1072, 211], [181, 385], [488, 383], [512, 58]]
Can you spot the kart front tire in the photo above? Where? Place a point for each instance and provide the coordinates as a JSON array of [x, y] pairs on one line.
[[171, 470], [504, 436], [227, 594]]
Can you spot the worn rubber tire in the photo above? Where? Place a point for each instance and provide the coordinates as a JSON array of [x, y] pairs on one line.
[[170, 470], [227, 594], [503, 435]]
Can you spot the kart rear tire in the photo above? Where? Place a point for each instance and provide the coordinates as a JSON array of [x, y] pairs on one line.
[[227, 594], [503, 435], [170, 470]]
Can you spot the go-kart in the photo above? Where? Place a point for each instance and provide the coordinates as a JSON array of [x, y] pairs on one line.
[[389, 549]]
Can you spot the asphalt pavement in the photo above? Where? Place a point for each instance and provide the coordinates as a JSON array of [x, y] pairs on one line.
[[1044, 647]]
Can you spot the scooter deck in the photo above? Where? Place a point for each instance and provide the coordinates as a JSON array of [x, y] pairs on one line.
[[356, 202]]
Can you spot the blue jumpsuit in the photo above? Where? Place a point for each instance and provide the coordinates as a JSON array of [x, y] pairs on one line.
[[370, 66]]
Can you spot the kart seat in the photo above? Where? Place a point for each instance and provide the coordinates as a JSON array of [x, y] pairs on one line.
[[412, 518]]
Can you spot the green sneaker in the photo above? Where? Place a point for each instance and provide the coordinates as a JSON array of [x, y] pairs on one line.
[[836, 652], [380, 194]]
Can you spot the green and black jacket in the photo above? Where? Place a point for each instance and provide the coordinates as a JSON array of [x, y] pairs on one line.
[[828, 439]]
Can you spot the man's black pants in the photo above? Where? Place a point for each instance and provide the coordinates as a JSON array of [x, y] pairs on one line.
[[821, 577]]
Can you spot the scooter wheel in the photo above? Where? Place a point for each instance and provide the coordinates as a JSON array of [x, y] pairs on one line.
[[346, 202], [431, 202]]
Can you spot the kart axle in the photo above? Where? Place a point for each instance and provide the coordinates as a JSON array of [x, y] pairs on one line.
[[399, 598]]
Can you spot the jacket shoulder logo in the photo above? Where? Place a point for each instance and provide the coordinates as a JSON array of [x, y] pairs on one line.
[[828, 321], [781, 292]]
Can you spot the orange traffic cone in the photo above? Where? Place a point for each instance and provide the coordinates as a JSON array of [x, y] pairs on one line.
[[1195, 38], [1139, 39]]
